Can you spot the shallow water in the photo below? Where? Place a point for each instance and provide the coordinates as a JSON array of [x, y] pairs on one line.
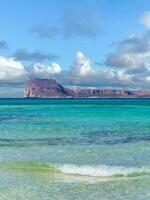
[[74, 149]]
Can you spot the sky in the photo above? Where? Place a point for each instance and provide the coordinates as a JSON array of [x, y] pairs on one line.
[[80, 43]]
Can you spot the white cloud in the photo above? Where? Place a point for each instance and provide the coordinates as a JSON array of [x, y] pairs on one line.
[[132, 55], [122, 76], [133, 58], [82, 65], [11, 70], [131, 61], [145, 19], [84, 74], [43, 70]]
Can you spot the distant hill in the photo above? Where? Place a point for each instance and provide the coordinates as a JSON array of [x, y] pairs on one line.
[[49, 88]]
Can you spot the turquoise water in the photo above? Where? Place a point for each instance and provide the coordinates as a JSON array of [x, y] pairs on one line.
[[74, 149]]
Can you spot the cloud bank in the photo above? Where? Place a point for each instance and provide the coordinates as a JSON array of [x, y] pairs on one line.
[[11, 70], [45, 71], [72, 23], [37, 55], [121, 71]]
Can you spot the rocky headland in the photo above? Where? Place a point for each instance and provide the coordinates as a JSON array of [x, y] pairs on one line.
[[49, 88]]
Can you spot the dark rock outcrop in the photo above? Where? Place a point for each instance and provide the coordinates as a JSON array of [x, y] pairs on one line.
[[49, 88], [44, 88]]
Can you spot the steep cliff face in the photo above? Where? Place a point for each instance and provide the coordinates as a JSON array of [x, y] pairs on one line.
[[49, 88], [103, 93], [44, 88]]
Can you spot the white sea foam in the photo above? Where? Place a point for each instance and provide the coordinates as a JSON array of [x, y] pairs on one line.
[[101, 170]]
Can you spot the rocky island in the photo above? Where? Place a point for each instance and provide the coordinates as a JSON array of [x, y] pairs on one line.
[[49, 88]]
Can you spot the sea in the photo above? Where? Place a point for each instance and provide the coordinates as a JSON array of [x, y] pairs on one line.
[[74, 149]]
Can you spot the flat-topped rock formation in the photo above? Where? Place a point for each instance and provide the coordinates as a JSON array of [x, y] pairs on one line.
[[49, 88], [44, 88]]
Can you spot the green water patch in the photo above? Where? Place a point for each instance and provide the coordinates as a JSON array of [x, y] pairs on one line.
[[30, 166]]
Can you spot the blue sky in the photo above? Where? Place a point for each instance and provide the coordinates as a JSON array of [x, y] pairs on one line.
[[117, 20], [72, 33]]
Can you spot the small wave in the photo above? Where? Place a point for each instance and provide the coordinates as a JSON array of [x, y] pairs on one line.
[[102, 170]]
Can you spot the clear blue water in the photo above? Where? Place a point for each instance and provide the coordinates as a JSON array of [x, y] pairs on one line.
[[74, 149]]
